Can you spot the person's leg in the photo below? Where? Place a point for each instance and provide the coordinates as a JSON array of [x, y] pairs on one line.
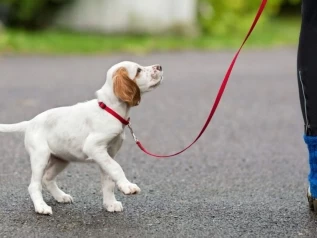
[[307, 83]]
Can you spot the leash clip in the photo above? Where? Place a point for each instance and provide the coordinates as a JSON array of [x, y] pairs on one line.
[[132, 133]]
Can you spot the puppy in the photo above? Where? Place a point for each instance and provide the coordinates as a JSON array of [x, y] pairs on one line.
[[85, 132]]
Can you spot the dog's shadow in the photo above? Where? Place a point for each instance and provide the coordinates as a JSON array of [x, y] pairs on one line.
[[144, 214], [87, 214]]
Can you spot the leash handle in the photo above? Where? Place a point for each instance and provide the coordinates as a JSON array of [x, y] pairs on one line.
[[219, 95]]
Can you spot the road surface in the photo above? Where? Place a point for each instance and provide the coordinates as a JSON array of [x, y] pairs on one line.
[[246, 177]]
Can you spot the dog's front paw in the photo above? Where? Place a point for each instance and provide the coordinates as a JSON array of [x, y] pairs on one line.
[[128, 188], [43, 208], [64, 198], [113, 206]]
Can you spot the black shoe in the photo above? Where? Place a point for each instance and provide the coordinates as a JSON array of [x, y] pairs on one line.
[[312, 202]]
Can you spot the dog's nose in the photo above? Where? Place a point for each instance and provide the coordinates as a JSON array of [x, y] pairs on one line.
[[158, 67]]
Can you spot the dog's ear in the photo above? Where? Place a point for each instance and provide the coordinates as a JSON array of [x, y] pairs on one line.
[[125, 88]]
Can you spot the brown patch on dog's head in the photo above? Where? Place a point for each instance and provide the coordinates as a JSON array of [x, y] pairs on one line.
[[125, 88]]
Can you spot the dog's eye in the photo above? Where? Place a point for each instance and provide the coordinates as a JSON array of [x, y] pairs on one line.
[[138, 71]]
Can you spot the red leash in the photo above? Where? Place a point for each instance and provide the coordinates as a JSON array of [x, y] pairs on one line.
[[219, 95]]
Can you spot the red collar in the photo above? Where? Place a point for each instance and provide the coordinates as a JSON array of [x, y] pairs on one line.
[[113, 113]]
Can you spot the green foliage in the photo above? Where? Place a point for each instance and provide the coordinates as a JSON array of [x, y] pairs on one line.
[[233, 17], [278, 32], [215, 17], [32, 13]]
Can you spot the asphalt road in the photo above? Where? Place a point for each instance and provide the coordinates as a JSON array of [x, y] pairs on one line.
[[246, 177]]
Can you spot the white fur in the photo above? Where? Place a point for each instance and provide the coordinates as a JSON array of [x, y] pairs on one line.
[[80, 133]]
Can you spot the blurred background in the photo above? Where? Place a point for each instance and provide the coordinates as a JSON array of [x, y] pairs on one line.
[[141, 26]]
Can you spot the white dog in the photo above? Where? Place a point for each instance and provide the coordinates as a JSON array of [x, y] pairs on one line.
[[86, 132]]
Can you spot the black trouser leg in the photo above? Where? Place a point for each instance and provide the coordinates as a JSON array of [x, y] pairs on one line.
[[307, 66]]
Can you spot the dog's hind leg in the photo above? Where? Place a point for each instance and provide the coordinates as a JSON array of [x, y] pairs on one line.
[[39, 156], [55, 166]]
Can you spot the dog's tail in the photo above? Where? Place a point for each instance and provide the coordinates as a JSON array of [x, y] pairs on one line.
[[18, 127]]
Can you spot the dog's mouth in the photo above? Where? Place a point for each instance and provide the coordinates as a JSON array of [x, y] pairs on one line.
[[157, 83]]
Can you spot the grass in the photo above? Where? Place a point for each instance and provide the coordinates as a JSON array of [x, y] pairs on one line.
[[277, 32]]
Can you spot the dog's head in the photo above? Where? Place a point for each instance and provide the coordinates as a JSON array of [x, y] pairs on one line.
[[130, 80]]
